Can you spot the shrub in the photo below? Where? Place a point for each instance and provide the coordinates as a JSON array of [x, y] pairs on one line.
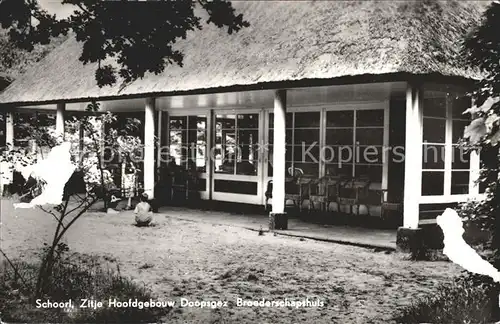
[[75, 276], [463, 301]]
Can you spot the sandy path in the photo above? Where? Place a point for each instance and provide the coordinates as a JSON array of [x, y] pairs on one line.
[[200, 261]]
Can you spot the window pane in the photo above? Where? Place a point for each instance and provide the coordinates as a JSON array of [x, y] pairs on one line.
[[176, 153], [434, 104], [247, 153], [201, 165], [226, 121], [248, 121], [340, 118], [461, 158], [310, 169], [192, 136], [434, 130], [369, 154], [373, 172], [368, 136], [196, 151], [228, 138], [247, 136], [195, 121], [306, 153], [178, 122], [432, 183], [459, 182], [339, 136], [342, 170], [246, 168], [343, 154], [288, 120], [177, 137], [460, 103], [458, 129], [433, 156], [306, 136], [225, 165], [306, 119], [370, 117], [289, 153]]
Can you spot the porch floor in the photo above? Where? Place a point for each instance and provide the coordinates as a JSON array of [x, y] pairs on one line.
[[366, 237]]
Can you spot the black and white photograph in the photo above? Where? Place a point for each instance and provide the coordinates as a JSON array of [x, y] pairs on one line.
[[249, 161]]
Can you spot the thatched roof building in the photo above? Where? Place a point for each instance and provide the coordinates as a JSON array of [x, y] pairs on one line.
[[288, 41]]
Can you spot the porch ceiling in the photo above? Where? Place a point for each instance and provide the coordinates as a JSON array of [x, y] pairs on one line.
[[287, 41], [299, 97]]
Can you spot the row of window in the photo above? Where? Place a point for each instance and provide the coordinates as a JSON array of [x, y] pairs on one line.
[[354, 143]]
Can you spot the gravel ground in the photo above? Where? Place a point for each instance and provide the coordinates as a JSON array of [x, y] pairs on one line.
[[199, 261]]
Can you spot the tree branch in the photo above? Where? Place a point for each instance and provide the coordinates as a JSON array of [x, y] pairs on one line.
[[51, 213]]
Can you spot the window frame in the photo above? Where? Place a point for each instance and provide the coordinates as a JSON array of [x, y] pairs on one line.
[[449, 145], [197, 114]]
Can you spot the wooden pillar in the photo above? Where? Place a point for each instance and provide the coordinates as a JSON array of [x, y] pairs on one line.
[[61, 107], [149, 147], [413, 157], [279, 166]]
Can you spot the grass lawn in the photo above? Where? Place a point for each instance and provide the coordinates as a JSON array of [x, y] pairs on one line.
[[199, 261]]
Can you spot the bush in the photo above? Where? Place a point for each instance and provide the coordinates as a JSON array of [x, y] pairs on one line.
[[74, 277], [464, 301]]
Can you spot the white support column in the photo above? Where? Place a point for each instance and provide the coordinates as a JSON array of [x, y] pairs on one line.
[[448, 151], [61, 107], [279, 151], [149, 148], [160, 143], [6, 174], [475, 170], [413, 157], [9, 129], [209, 153]]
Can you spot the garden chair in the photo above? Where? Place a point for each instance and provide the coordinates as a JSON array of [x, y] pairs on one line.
[[323, 191], [386, 206], [294, 188], [352, 191]]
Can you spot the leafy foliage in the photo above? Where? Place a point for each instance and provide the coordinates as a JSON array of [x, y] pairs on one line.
[[461, 302], [75, 276], [138, 35], [482, 50]]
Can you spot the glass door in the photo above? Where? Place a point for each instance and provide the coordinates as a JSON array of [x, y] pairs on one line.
[[237, 157], [188, 148]]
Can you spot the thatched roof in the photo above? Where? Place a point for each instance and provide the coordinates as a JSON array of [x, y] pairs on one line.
[[287, 41], [14, 61], [5, 80]]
